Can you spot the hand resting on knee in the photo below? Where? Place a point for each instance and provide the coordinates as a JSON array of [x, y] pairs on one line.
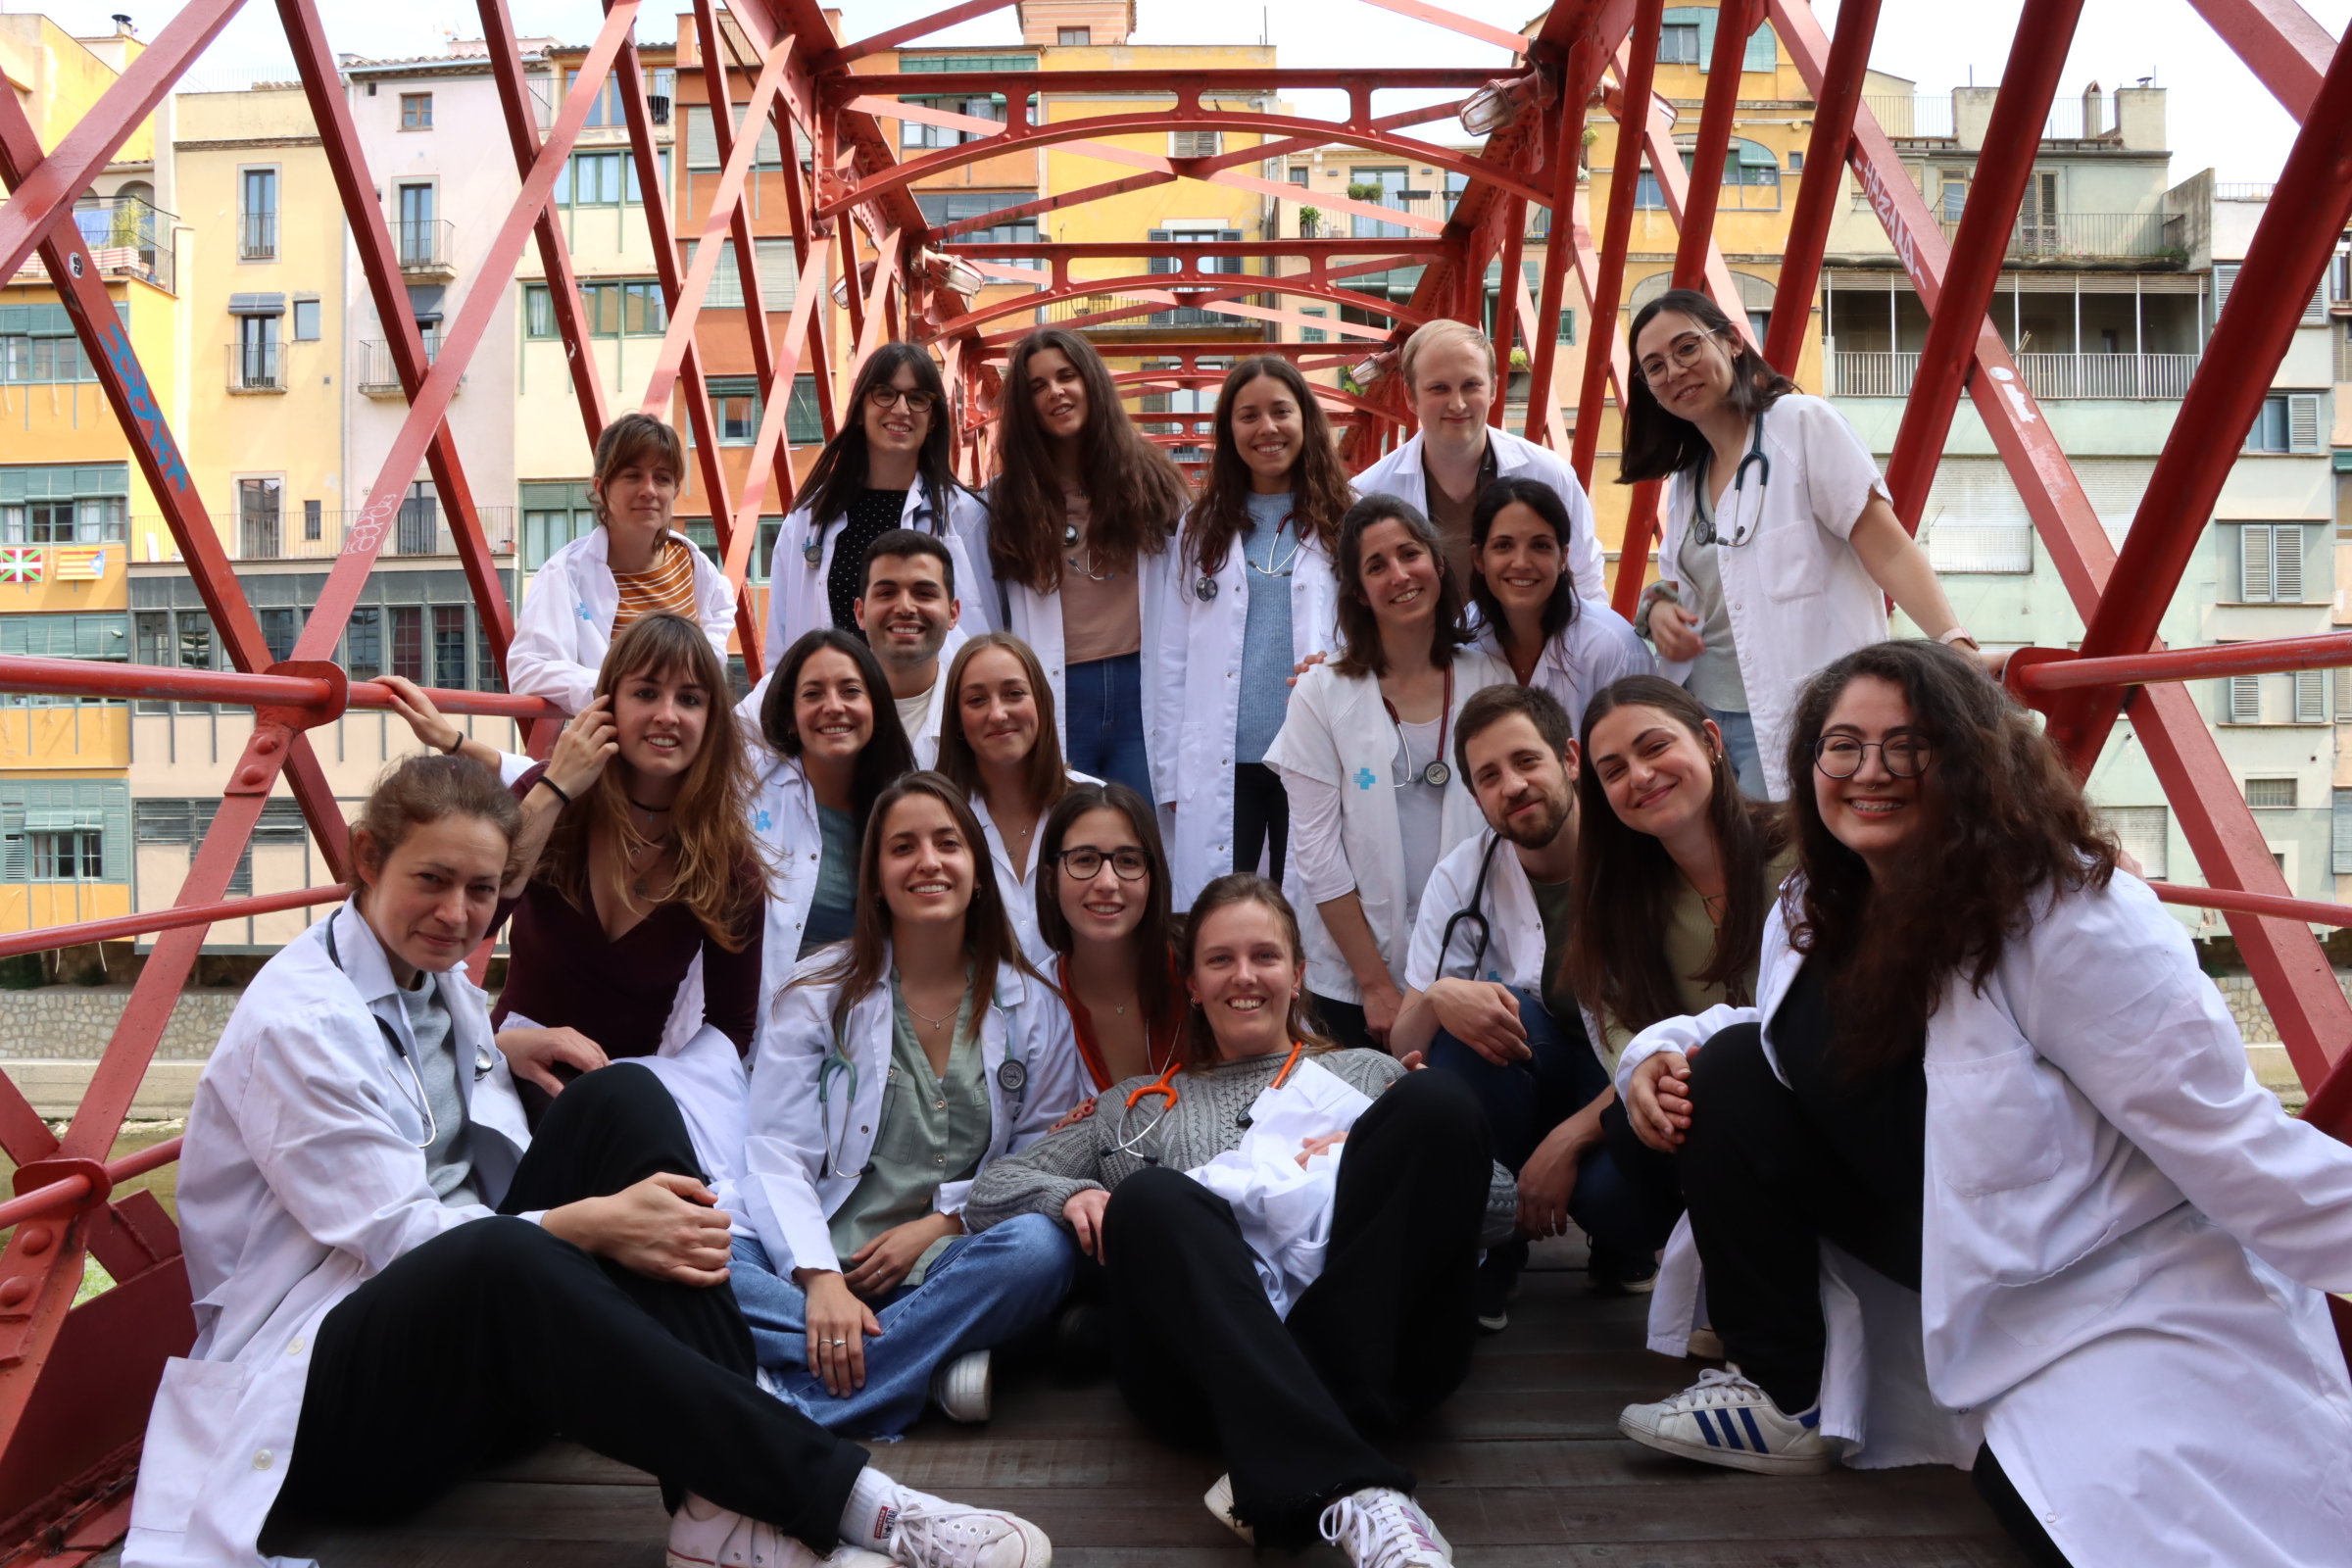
[[665, 1227]]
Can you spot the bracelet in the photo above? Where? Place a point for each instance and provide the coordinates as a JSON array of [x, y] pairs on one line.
[[557, 788], [1960, 634], [451, 750]]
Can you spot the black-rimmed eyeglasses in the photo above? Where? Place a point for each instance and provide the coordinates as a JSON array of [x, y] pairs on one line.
[[1840, 755], [1085, 863], [889, 397]]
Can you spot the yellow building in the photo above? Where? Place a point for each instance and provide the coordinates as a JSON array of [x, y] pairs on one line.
[[70, 494]]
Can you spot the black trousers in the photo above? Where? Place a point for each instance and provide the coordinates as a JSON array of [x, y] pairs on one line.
[[1343, 1023], [1261, 818], [494, 1336], [1384, 1334]]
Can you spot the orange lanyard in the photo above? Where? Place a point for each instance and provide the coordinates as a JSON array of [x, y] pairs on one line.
[[1165, 1083]]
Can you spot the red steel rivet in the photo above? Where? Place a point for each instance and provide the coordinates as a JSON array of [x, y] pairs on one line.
[[34, 1239], [13, 1291]]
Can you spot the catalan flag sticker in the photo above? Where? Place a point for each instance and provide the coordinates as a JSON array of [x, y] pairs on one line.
[[20, 565], [80, 562]]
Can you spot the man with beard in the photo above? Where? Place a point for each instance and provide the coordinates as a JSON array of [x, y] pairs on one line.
[[1486, 998], [908, 613]]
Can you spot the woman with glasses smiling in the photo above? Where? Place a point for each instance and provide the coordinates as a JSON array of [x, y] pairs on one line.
[[1102, 912], [888, 468], [1781, 540], [2073, 1245]]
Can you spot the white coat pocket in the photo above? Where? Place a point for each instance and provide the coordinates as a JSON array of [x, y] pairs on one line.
[[2004, 1123], [1795, 567], [193, 1409]]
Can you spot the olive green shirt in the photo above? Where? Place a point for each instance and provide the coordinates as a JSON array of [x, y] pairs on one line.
[[934, 1130], [1690, 944]]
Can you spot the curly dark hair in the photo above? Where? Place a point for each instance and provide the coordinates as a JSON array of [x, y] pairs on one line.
[[2002, 822]]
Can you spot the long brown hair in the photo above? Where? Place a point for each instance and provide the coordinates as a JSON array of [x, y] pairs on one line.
[[721, 874], [887, 752], [1134, 493], [2002, 822], [1198, 1049], [1046, 777], [1154, 934], [1657, 442], [1319, 489], [989, 943], [839, 472], [1626, 881], [1360, 649]]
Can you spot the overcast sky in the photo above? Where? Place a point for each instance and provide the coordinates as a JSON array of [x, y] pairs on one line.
[[2218, 117]]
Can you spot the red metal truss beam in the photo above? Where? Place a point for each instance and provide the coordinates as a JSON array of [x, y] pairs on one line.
[[808, 240], [1202, 294], [877, 314], [1674, 185], [2004, 168], [890, 38], [554, 256], [371, 235], [1019, 137], [46, 191], [1637, 70], [2313, 1018], [50, 938], [1823, 183], [2286, 48], [1454, 22], [688, 380], [2290, 252], [771, 440], [324, 627], [1543, 403], [2307, 911], [2040, 671], [767, 22], [1735, 21], [148, 432], [1186, 88]]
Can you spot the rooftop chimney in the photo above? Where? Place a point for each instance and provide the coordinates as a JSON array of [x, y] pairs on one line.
[[2095, 119], [123, 26]]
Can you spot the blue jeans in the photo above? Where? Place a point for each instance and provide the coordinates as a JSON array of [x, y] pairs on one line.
[[1739, 746], [981, 1292], [1525, 1101], [1105, 701]]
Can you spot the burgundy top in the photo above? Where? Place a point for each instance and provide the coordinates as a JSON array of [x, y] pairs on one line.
[[564, 973]]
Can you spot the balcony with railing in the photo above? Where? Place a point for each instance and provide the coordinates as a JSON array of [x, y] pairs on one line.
[[379, 376], [427, 246], [422, 528], [257, 236], [2050, 378], [257, 366], [127, 237], [1074, 313], [2064, 239]]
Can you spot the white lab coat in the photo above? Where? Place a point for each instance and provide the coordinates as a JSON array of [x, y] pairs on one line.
[[1515, 927], [1339, 733], [300, 1180], [1401, 475], [806, 1152], [785, 821], [1192, 692], [1036, 619], [797, 599], [566, 627], [2125, 1242], [1597, 647], [1798, 594]]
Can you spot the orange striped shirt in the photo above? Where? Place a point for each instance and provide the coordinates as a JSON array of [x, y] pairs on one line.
[[666, 584]]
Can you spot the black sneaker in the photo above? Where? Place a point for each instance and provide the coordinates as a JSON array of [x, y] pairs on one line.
[[1082, 1340], [1618, 1274]]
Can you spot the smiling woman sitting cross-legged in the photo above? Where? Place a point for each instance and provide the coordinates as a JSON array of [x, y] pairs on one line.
[[1237, 1334]]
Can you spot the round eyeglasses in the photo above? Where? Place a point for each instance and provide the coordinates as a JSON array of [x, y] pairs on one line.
[[1086, 863], [890, 397], [1840, 755], [1683, 353]]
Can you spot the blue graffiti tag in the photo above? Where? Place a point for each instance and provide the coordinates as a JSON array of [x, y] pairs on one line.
[[141, 398]]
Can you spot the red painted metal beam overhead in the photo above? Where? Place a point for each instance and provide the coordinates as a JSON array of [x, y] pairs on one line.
[[1824, 181]]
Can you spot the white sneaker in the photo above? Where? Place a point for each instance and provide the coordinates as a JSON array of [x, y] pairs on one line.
[[963, 1387], [933, 1533], [1380, 1527], [702, 1535], [1724, 1419], [1219, 1498]]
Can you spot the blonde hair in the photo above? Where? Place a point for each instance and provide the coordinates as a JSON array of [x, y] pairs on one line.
[[1437, 334]]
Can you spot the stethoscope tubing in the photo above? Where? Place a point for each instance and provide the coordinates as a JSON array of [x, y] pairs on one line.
[[1011, 1078]]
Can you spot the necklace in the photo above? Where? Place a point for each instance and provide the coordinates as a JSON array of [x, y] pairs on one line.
[[936, 1023], [649, 811]]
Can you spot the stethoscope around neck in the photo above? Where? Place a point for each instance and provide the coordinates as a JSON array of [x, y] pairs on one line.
[[1013, 1077], [400, 1048], [1762, 464], [1472, 913]]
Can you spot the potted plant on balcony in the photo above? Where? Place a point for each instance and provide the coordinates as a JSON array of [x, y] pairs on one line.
[[1310, 220]]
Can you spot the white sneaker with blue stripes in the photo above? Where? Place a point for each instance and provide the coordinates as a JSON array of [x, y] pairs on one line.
[[1724, 1419]]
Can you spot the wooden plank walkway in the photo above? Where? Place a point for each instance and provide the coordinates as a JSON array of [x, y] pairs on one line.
[[1523, 1467]]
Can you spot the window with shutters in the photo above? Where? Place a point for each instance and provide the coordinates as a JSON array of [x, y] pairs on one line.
[[701, 142], [735, 409], [604, 179], [416, 111], [1382, 187], [980, 105], [943, 207], [2341, 680], [2315, 313], [98, 635], [2271, 794], [66, 504], [2270, 562], [2341, 833], [1315, 334], [2245, 699], [779, 276], [554, 515], [64, 830], [2224, 278], [1195, 143], [2145, 832], [1677, 43], [611, 308], [185, 823], [1190, 314], [2311, 697]]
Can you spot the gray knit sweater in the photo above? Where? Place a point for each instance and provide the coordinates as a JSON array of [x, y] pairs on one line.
[[1204, 1123]]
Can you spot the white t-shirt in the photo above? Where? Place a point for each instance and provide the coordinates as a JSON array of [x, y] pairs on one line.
[[912, 711]]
